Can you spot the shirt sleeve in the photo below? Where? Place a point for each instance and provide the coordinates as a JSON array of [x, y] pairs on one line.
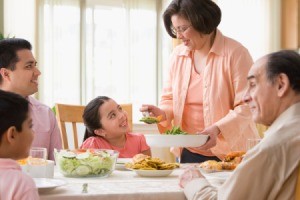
[[245, 182], [55, 140], [31, 194], [28, 188], [166, 102], [200, 189], [240, 117], [144, 145], [90, 143]]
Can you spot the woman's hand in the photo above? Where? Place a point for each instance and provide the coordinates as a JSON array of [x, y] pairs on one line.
[[213, 132], [189, 174], [153, 111]]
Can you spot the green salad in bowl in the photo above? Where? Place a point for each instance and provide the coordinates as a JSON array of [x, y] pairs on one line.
[[84, 163]]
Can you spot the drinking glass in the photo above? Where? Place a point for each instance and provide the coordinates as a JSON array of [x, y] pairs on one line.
[[251, 143], [37, 162]]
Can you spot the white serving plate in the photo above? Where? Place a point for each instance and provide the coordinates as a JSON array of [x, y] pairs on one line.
[[152, 173], [48, 184], [160, 140]]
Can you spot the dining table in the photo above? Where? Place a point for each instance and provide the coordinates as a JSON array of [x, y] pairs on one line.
[[120, 184]]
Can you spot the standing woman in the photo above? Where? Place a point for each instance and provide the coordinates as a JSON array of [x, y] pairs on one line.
[[206, 81]]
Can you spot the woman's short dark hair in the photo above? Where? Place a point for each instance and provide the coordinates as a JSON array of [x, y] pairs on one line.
[[13, 111], [91, 116], [204, 15], [8, 52], [287, 62]]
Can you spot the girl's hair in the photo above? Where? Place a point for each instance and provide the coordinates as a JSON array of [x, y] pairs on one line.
[[91, 116]]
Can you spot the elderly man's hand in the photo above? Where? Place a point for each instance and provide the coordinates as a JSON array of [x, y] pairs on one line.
[[213, 132], [189, 174]]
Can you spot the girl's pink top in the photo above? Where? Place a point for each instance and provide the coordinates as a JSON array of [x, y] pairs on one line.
[[135, 144]]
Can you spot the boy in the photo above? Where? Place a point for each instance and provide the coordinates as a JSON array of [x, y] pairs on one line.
[[16, 136]]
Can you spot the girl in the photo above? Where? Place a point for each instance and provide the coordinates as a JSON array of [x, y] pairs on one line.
[[107, 128]]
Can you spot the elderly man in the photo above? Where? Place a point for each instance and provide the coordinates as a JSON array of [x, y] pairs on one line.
[[19, 74], [269, 170]]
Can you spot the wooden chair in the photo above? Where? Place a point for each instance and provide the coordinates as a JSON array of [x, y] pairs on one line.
[[73, 114]]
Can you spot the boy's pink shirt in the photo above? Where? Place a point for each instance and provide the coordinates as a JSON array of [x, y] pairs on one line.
[[14, 184], [135, 144]]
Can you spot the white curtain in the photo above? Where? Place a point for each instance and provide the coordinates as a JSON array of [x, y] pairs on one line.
[[59, 51], [121, 51], [101, 48]]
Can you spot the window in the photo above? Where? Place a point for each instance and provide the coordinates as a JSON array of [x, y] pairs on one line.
[[105, 48], [120, 49]]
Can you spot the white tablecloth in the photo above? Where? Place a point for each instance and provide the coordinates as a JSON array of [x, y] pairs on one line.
[[119, 185]]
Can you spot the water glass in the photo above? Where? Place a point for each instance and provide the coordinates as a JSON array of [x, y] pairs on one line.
[[37, 162]]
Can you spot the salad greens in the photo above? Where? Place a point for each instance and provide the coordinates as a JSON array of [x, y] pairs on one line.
[[151, 120], [89, 163], [175, 131]]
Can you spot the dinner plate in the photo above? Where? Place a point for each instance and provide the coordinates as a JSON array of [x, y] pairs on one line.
[[160, 140], [153, 173], [120, 165], [210, 171], [48, 184]]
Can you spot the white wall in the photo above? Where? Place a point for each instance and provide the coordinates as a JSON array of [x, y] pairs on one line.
[[20, 19]]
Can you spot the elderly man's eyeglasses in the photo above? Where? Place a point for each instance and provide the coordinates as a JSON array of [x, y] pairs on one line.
[[180, 29]]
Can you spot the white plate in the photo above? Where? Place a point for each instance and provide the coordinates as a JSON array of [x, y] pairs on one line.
[[47, 184], [159, 140], [120, 165], [153, 173], [211, 171], [123, 160]]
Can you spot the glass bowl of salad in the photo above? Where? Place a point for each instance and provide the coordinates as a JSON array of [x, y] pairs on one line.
[[86, 162]]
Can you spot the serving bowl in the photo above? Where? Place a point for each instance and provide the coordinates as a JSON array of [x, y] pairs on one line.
[[85, 163], [163, 140]]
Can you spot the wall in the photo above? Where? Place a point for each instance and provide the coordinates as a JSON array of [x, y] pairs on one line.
[[19, 19], [1, 17]]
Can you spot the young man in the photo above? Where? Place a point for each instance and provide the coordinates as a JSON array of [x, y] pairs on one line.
[[269, 170], [16, 136], [19, 74]]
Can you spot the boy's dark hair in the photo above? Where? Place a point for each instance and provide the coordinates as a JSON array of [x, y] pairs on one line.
[[13, 111], [8, 52]]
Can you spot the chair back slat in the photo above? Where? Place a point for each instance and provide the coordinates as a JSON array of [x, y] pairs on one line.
[[75, 135]]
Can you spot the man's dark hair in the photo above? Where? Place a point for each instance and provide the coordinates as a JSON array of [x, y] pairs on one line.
[[8, 52], [287, 62], [13, 111]]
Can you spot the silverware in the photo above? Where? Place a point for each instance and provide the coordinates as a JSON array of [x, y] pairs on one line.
[[85, 188]]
